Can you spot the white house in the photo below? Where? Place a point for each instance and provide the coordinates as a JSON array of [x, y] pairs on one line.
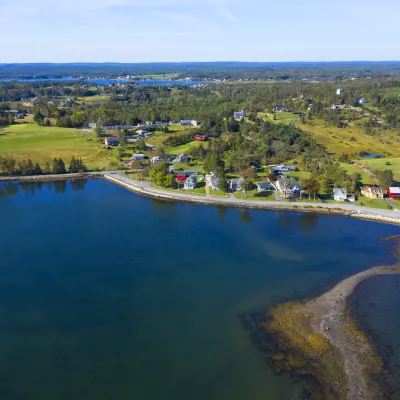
[[138, 157], [156, 160], [187, 122], [144, 134], [239, 114], [278, 169], [340, 194], [181, 158], [288, 187], [190, 183], [339, 91], [214, 181]]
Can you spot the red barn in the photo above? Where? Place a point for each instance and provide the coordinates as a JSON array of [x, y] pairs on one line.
[[201, 138], [394, 193]]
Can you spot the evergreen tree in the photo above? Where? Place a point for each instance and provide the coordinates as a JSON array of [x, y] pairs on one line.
[[73, 165], [47, 169], [54, 166], [222, 182], [37, 170], [61, 165]]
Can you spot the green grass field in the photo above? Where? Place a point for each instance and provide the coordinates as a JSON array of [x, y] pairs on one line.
[[93, 99], [281, 117], [255, 195], [184, 148], [380, 163], [365, 178], [373, 203], [42, 144], [351, 140]]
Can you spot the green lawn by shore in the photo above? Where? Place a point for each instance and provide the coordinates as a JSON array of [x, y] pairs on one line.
[[42, 144], [380, 163]]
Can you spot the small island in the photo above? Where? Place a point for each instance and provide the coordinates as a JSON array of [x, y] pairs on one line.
[[317, 337]]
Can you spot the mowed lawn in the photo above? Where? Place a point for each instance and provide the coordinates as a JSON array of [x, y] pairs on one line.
[[380, 163], [42, 144], [184, 148], [351, 140], [281, 117]]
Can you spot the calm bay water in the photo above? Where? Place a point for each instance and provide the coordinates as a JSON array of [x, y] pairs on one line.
[[108, 295], [109, 81]]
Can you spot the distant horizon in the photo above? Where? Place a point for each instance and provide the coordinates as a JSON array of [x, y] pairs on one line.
[[201, 62]]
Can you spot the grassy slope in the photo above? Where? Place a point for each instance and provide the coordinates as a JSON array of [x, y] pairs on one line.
[[337, 140], [184, 148], [281, 117], [380, 163], [351, 169], [43, 144]]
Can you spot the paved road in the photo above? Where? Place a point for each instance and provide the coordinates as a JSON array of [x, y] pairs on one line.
[[147, 189]]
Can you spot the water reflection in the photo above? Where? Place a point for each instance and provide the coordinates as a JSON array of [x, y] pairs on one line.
[[78, 184], [245, 216], [221, 211], [60, 186], [307, 221], [8, 190]]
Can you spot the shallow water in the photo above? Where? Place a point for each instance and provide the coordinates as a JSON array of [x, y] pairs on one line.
[[375, 304], [108, 295]]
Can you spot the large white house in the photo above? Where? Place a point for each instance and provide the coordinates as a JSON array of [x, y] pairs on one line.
[[288, 187], [340, 194], [188, 122], [190, 183]]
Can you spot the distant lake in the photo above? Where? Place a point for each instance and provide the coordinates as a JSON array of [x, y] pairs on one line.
[[110, 81], [108, 295]]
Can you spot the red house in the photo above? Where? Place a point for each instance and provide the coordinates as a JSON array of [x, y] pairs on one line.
[[394, 193], [201, 138]]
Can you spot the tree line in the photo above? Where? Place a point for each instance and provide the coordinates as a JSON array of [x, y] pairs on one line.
[[11, 166]]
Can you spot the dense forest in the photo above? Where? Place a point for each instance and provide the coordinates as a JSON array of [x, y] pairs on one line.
[[211, 104]]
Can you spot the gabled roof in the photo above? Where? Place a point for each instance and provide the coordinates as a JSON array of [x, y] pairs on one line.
[[339, 191]]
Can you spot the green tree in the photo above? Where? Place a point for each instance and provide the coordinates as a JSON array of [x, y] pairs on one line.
[[385, 178], [58, 166], [47, 169], [38, 117], [169, 181], [141, 144], [37, 170], [247, 185], [98, 131], [222, 181]]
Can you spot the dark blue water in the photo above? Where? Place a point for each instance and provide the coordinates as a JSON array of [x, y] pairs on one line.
[[108, 295], [110, 81]]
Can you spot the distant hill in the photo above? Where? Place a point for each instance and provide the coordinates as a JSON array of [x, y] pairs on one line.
[[212, 70]]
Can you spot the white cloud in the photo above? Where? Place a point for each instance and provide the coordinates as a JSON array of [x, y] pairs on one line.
[[225, 12]]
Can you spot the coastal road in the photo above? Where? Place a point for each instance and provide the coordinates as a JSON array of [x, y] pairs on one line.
[[350, 209]]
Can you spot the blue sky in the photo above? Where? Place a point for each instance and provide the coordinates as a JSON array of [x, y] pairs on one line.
[[198, 30]]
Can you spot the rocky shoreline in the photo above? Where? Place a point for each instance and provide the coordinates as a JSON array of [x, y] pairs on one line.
[[319, 338], [389, 217]]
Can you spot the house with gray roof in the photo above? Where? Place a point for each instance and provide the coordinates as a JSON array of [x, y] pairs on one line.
[[264, 186], [235, 184], [190, 183], [288, 187]]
